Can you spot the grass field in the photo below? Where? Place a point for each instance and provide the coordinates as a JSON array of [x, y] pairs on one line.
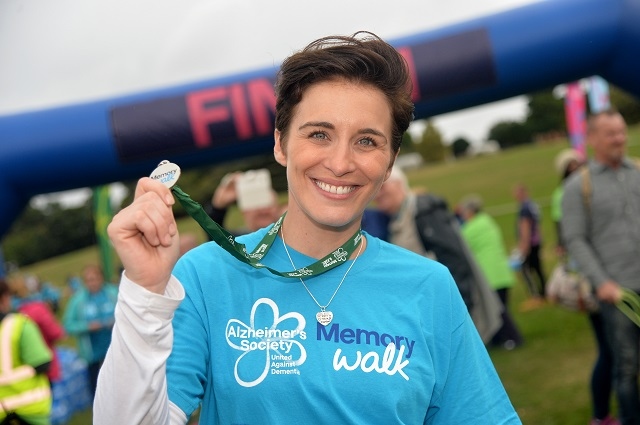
[[547, 378]]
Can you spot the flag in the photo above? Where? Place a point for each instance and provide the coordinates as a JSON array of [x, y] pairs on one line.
[[576, 116], [598, 94], [102, 215]]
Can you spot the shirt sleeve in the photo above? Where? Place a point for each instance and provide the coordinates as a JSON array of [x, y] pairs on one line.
[[574, 227], [132, 386]]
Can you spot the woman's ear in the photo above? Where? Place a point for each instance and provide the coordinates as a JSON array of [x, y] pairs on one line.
[[278, 150]]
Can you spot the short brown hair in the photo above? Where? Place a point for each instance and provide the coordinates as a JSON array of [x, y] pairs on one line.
[[362, 58]]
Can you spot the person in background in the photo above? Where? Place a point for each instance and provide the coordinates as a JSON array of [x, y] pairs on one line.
[[188, 241], [255, 216], [529, 246], [484, 237], [263, 346], [41, 313], [567, 162], [601, 231], [424, 224], [24, 387], [89, 317], [398, 202]]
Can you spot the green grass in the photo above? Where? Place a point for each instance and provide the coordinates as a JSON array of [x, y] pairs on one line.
[[547, 378]]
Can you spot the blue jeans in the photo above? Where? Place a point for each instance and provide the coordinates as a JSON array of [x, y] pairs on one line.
[[624, 339]]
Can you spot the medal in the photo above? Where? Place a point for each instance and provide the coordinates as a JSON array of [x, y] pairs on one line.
[[166, 173]]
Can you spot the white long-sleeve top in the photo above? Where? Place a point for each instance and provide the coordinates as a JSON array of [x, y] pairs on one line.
[[132, 386]]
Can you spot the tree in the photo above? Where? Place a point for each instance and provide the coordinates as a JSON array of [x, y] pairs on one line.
[[431, 147], [39, 234], [460, 146], [546, 113], [407, 145], [628, 105], [509, 134]]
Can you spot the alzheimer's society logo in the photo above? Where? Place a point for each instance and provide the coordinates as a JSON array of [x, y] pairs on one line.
[[270, 343]]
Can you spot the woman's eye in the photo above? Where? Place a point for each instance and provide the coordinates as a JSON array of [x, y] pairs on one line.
[[318, 135], [367, 142]]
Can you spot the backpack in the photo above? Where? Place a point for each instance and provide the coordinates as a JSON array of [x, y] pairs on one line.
[[440, 233]]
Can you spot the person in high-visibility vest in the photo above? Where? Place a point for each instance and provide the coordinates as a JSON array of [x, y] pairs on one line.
[[24, 362]]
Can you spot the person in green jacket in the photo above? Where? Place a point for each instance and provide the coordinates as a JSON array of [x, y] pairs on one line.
[[487, 245]]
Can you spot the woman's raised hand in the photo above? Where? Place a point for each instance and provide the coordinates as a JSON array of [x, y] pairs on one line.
[[145, 236]]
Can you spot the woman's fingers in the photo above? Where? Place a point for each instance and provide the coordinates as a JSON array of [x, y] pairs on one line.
[[146, 185]]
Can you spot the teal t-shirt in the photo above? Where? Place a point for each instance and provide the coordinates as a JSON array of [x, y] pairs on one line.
[[401, 348]]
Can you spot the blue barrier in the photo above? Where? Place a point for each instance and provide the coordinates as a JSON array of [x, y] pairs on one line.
[[71, 393]]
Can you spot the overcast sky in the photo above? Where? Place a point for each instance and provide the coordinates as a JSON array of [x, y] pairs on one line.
[[54, 53]]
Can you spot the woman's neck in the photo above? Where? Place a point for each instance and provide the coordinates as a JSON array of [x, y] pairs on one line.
[[313, 239]]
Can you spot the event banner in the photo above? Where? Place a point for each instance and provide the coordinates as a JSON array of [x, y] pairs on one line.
[[575, 113]]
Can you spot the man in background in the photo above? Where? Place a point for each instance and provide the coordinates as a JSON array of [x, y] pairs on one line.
[[424, 223], [601, 230]]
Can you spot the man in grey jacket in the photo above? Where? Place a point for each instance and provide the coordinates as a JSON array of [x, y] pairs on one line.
[[601, 227]]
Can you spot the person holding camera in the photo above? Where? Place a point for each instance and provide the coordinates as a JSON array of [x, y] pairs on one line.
[[256, 199]]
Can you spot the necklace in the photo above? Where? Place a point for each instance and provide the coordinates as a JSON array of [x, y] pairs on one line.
[[324, 316]]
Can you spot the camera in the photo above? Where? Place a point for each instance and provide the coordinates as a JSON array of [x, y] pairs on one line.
[[254, 189]]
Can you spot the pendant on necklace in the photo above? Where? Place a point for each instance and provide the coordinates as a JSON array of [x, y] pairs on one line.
[[324, 317]]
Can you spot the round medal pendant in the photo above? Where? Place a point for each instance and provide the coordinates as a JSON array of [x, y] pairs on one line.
[[166, 173], [324, 317]]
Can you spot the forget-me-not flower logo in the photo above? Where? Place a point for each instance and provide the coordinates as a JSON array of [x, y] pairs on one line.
[[267, 334]]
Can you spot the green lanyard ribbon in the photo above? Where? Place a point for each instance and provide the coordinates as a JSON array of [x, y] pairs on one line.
[[228, 242]]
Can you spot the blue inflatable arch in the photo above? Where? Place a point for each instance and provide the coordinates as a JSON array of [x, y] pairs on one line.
[[463, 65]]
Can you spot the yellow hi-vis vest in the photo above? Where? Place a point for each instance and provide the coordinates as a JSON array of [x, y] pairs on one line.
[[21, 389]]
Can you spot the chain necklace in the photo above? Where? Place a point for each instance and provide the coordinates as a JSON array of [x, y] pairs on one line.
[[324, 317]]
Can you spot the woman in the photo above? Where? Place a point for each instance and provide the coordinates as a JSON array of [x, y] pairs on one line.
[[89, 317], [382, 338]]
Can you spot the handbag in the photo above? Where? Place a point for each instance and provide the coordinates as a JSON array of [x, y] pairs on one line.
[[571, 290]]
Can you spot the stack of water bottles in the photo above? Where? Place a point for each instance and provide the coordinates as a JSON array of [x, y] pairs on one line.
[[71, 393]]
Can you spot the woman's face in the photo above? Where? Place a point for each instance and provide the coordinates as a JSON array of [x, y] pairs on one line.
[[337, 153], [93, 279]]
